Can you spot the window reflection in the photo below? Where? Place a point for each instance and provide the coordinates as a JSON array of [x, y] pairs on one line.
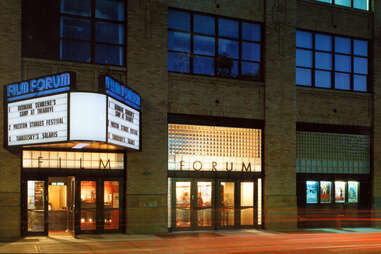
[[206, 40], [36, 206], [80, 20], [350, 64]]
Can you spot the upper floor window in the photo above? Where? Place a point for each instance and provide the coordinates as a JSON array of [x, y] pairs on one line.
[[357, 4], [92, 31], [328, 61], [208, 45]]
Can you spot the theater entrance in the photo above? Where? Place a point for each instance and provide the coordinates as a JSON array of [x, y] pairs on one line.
[[50, 204], [72, 205], [61, 203], [214, 203]]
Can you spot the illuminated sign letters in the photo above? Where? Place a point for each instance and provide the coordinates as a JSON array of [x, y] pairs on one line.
[[74, 160], [121, 92], [39, 86], [183, 162]]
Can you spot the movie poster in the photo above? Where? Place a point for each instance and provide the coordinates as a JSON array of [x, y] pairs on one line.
[[339, 192], [311, 192], [325, 191], [353, 191]]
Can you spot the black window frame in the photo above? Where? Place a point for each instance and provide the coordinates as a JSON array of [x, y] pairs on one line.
[[333, 2], [333, 53], [92, 42], [216, 37]]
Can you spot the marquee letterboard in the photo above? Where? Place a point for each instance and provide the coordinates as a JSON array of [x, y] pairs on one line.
[[38, 120]]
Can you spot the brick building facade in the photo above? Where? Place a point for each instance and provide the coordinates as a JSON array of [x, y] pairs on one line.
[[270, 102]]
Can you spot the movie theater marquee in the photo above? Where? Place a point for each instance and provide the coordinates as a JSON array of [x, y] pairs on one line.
[[38, 112]]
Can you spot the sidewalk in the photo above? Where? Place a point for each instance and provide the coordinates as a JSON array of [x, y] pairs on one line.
[[311, 241]]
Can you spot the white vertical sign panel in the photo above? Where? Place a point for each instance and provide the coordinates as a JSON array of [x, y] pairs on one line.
[[40, 120], [88, 116], [123, 125]]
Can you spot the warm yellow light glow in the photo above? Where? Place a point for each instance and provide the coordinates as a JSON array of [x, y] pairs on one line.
[[87, 160], [57, 197], [247, 194], [82, 220], [211, 148]]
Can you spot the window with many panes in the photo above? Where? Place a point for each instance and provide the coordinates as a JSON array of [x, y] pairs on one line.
[[357, 4], [328, 61], [216, 46], [93, 31]]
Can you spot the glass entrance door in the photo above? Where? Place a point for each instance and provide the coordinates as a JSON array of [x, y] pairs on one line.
[[247, 203], [36, 207], [206, 204], [88, 205], [61, 197], [183, 204], [111, 205], [226, 204], [100, 208], [71, 205], [193, 204]]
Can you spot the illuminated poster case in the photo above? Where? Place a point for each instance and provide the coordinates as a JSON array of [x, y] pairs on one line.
[[332, 192], [37, 110]]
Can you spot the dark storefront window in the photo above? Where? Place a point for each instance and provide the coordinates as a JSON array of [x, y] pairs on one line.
[[333, 178], [208, 45], [92, 31], [327, 61]]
